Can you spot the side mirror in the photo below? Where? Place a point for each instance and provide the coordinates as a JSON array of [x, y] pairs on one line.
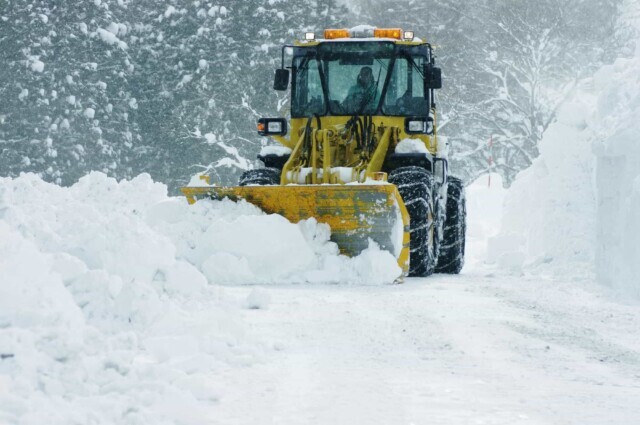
[[418, 125], [440, 170], [281, 80], [272, 126], [433, 77]]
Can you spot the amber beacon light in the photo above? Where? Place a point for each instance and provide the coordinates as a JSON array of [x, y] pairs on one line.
[[388, 33], [331, 34]]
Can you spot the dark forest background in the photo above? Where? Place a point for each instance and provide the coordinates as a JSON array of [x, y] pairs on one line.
[[173, 88]]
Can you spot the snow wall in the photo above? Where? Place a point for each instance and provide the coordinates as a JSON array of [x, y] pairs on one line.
[[548, 218], [617, 147], [575, 213]]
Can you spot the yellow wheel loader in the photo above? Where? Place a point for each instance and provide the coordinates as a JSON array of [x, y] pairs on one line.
[[362, 153]]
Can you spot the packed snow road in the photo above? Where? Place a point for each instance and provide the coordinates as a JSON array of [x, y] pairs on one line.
[[468, 349]]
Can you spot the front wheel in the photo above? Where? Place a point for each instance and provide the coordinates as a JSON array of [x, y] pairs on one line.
[[415, 185], [260, 177]]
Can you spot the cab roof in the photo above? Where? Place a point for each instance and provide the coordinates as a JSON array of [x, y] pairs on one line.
[[361, 33]]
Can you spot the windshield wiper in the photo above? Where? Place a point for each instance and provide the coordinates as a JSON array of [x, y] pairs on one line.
[[416, 67]]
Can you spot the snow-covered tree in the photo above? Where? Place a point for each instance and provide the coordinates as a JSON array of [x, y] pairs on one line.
[[171, 88], [64, 101], [128, 87]]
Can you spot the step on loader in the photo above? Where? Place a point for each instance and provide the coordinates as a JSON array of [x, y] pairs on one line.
[[363, 153]]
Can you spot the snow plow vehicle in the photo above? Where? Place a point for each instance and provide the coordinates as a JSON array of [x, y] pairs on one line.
[[363, 154]]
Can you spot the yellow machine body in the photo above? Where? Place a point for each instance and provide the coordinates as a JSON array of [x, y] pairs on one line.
[[331, 177]]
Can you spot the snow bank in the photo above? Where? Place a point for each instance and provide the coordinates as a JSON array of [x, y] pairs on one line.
[[95, 306], [617, 148], [549, 219], [108, 312], [576, 210], [485, 197]]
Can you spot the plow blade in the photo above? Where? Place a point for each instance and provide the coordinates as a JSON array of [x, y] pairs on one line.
[[355, 213]]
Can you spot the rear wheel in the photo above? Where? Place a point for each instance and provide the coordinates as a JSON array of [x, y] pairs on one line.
[[415, 185], [260, 177], [451, 258]]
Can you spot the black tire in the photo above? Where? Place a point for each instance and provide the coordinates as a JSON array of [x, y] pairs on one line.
[[260, 177], [451, 258], [415, 185]]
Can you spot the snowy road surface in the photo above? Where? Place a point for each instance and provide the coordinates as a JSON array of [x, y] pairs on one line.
[[93, 332], [468, 349]]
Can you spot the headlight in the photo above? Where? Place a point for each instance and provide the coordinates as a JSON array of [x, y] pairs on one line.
[[416, 126], [274, 127]]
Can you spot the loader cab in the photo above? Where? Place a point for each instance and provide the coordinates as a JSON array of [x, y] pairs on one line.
[[359, 78], [326, 80]]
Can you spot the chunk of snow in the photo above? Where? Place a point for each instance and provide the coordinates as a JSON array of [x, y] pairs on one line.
[[258, 299], [411, 146], [113, 28], [111, 39], [198, 180], [37, 65], [107, 36], [277, 150], [89, 113], [170, 11]]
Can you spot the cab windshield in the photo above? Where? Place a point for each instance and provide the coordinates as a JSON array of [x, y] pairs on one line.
[[354, 78]]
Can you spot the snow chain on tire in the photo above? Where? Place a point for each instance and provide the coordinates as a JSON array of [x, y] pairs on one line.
[[260, 177], [451, 258], [415, 185]]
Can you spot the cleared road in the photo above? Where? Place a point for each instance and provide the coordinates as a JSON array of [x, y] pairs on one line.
[[470, 349]]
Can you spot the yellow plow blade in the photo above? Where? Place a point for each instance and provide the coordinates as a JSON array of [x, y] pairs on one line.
[[355, 213]]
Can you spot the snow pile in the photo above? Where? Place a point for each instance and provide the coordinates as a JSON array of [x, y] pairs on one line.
[[549, 216], [236, 243], [95, 306], [617, 148], [107, 309]]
